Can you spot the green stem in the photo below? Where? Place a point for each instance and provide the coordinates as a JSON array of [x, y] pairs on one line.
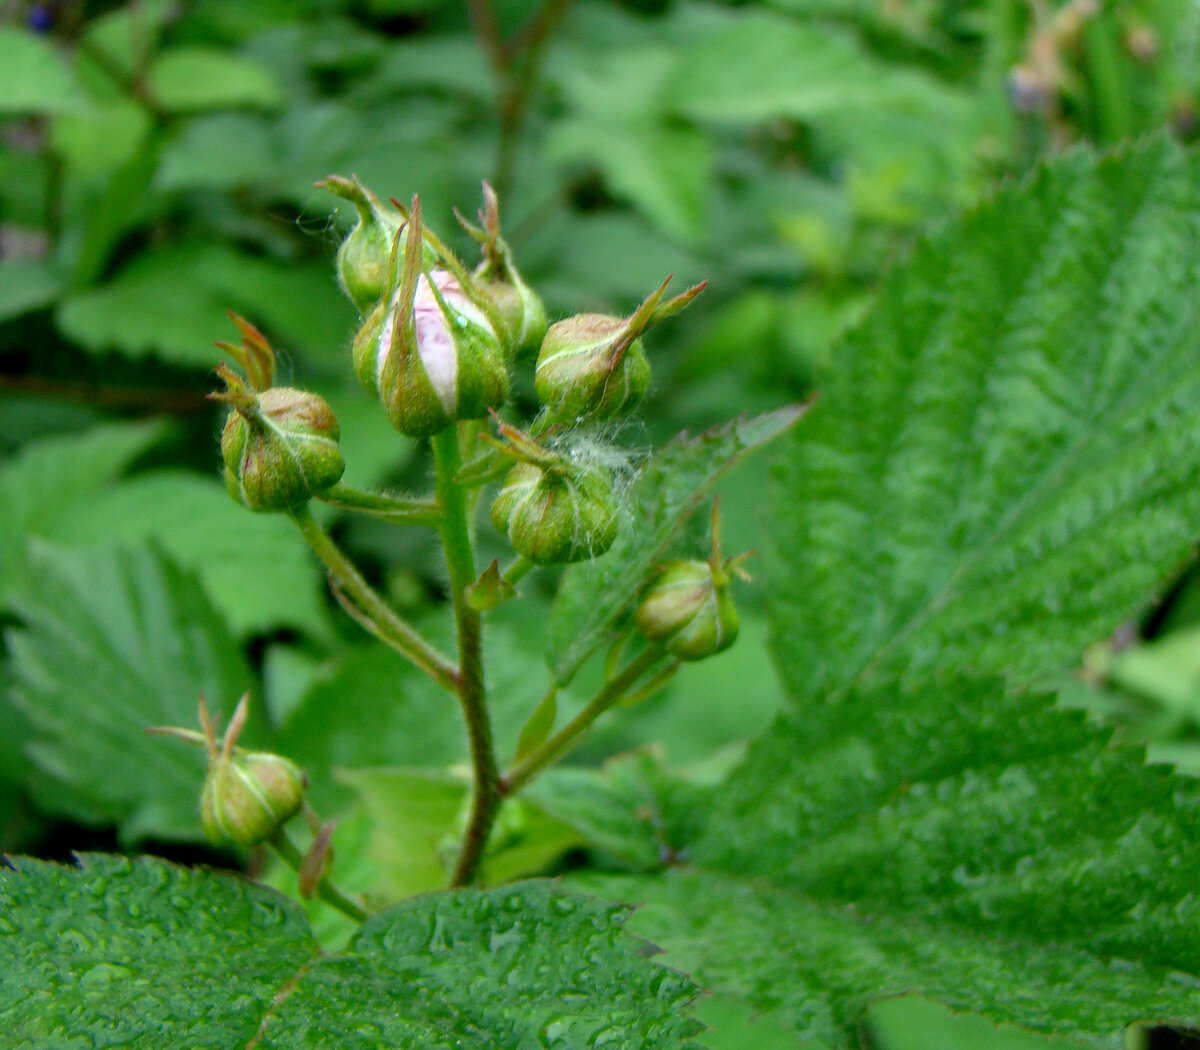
[[378, 616], [405, 510], [517, 571], [566, 738], [326, 890], [460, 563]]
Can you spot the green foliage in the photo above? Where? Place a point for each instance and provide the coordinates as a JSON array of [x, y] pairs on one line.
[[36, 79], [152, 951], [668, 490], [113, 643], [921, 827]]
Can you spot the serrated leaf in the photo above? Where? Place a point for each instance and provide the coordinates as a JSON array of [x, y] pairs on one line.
[[1004, 466], [193, 78], [974, 845], [112, 642], [53, 478], [34, 78], [667, 492], [172, 301], [166, 956], [256, 567], [143, 950]]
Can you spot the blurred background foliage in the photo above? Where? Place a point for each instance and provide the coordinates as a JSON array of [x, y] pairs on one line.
[[157, 162]]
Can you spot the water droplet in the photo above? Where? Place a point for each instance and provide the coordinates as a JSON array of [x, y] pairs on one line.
[[106, 973]]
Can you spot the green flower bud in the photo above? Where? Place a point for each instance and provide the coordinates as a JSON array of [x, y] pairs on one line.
[[280, 448], [687, 605], [522, 314], [248, 797], [689, 610], [364, 260], [557, 513], [593, 366], [430, 352]]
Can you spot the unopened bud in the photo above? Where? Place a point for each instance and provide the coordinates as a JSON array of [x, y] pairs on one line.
[[280, 448], [557, 513], [688, 610], [522, 313], [430, 351], [248, 795], [364, 260], [687, 605], [593, 366]]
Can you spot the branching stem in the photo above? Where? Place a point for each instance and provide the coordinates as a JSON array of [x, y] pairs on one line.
[[387, 625], [460, 563], [561, 742]]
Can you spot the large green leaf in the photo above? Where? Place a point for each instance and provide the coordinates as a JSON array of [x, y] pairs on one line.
[[202, 78], [975, 845], [1004, 467], [666, 493], [34, 78], [161, 955], [256, 567], [53, 478], [1005, 464], [172, 302], [112, 642]]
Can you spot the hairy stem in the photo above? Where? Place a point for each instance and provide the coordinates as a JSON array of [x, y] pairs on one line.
[[460, 562], [326, 890], [404, 510], [385, 623], [561, 742]]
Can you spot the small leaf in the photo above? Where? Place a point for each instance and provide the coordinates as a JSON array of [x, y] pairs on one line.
[[537, 730], [34, 78], [198, 78], [111, 643], [669, 489]]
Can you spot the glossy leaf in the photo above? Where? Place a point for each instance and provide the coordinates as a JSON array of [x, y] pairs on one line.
[[157, 953]]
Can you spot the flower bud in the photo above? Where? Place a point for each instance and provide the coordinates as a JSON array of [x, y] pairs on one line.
[[522, 314], [689, 610], [594, 366], [364, 260], [557, 513], [687, 605], [248, 797], [280, 448], [431, 352]]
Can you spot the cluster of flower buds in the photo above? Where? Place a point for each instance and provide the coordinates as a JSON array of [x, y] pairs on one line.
[[436, 341], [687, 605], [248, 795], [430, 347], [554, 507], [280, 445]]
